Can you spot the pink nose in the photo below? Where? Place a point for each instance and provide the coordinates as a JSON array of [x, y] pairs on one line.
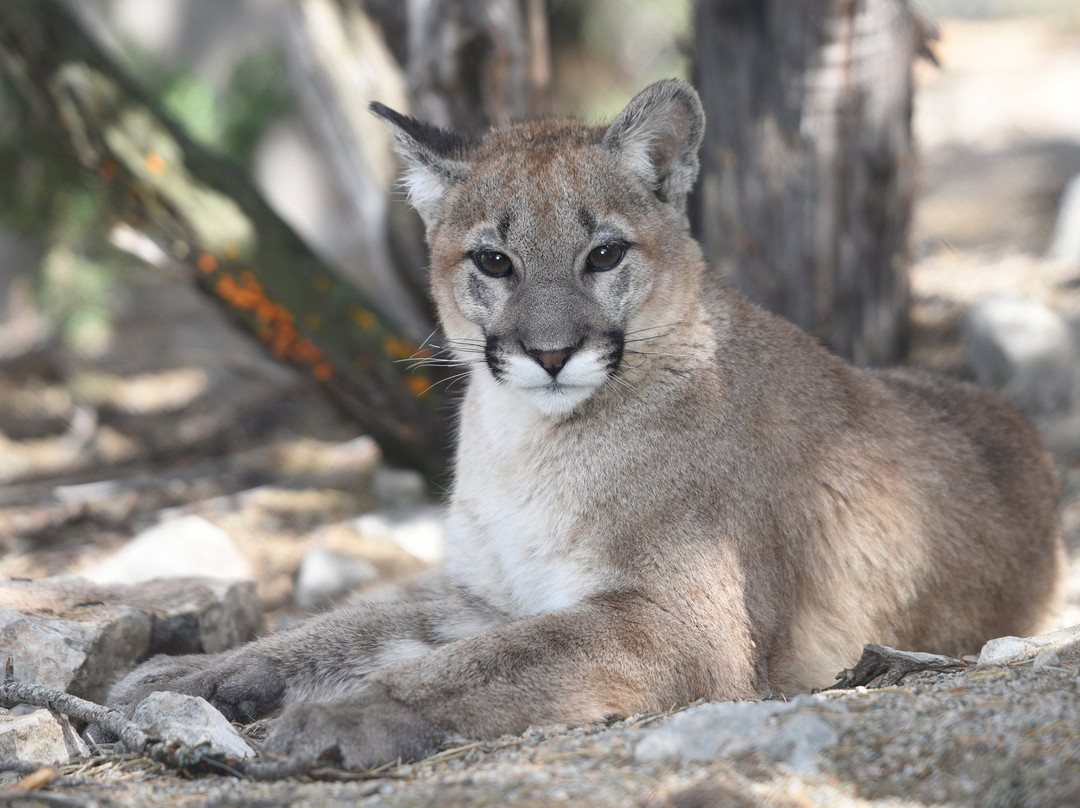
[[552, 361]]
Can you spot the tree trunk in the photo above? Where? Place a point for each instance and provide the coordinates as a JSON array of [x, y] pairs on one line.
[[469, 63], [183, 207], [339, 64], [807, 167]]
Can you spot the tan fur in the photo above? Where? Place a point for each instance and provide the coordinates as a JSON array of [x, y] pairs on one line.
[[701, 502]]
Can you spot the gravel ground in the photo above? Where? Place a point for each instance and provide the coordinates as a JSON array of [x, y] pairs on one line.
[[997, 737]]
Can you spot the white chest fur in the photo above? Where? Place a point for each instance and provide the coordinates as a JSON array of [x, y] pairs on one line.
[[515, 532]]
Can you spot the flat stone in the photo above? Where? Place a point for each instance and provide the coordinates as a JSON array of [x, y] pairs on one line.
[[420, 531], [192, 721], [71, 635], [187, 546], [38, 737], [1065, 242], [776, 730], [80, 651], [1022, 349], [1005, 650], [325, 576], [398, 488]]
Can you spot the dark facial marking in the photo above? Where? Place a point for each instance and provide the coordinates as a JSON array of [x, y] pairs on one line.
[[491, 355], [502, 227], [617, 341], [622, 283], [587, 220], [477, 290]]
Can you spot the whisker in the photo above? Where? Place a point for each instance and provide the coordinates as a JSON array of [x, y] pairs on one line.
[[447, 363], [449, 380], [428, 338], [657, 353], [654, 328]]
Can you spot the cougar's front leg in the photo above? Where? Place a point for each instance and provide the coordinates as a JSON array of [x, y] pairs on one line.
[[611, 655], [325, 657]]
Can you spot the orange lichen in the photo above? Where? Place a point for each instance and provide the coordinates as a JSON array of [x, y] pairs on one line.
[[108, 171], [155, 164], [322, 371], [363, 318], [207, 263], [267, 311], [397, 348], [418, 385], [238, 295]]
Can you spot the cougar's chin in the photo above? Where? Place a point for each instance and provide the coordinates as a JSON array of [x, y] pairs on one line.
[[575, 383]]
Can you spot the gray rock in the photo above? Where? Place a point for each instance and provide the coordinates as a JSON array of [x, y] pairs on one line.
[[188, 546], [71, 635], [325, 576], [776, 730], [1065, 242], [1003, 650], [398, 488], [1046, 659], [39, 737], [419, 531], [190, 720], [81, 651], [1023, 350]]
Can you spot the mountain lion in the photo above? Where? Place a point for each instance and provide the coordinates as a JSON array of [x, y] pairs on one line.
[[662, 493]]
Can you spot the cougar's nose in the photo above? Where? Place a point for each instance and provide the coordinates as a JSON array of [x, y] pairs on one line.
[[552, 361]]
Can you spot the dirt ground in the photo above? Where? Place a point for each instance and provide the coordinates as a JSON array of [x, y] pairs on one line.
[[181, 412]]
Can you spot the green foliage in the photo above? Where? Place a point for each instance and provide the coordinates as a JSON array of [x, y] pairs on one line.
[[55, 203], [228, 123]]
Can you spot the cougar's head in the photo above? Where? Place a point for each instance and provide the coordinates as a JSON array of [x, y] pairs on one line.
[[553, 244]]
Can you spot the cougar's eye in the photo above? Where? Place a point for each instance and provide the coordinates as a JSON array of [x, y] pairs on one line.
[[605, 257], [493, 263]]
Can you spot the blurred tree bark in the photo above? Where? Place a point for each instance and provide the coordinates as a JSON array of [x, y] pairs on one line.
[[181, 206], [473, 64], [808, 164], [464, 64], [338, 62], [469, 64]]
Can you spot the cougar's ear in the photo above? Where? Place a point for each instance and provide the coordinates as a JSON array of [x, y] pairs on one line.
[[658, 135], [434, 160]]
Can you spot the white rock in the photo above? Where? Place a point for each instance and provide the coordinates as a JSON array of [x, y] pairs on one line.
[[398, 488], [325, 576], [419, 531], [188, 546], [68, 634], [1046, 659], [82, 653], [190, 720], [1003, 650], [1065, 243], [38, 737], [1022, 349], [774, 729]]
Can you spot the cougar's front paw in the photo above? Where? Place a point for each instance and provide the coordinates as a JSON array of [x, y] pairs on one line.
[[355, 734], [244, 687]]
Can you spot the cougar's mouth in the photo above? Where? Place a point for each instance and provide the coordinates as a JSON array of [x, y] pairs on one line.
[[555, 381]]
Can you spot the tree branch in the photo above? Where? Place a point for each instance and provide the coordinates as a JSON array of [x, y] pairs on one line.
[[205, 214]]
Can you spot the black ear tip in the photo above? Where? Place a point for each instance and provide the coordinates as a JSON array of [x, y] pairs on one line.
[[382, 111]]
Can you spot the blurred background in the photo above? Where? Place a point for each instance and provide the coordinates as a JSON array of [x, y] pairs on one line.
[[903, 180]]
